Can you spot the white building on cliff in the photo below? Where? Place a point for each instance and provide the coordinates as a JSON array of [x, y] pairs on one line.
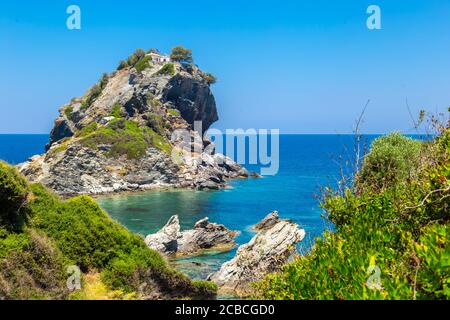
[[159, 58]]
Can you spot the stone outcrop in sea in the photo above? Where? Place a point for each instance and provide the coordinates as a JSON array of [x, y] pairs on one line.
[[205, 236], [124, 135], [266, 252]]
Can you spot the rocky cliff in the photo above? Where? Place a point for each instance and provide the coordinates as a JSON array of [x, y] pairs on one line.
[[123, 134]]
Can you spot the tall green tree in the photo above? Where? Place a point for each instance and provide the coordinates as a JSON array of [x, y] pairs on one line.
[[181, 54]]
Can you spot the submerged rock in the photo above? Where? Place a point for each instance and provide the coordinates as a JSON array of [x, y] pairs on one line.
[[266, 252], [205, 236]]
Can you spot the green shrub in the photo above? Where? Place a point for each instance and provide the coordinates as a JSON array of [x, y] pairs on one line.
[[135, 57], [31, 267], [155, 122], [68, 112], [104, 81], [87, 130], [167, 69], [391, 159], [181, 54], [127, 271], [173, 112], [13, 197], [83, 232], [209, 78], [158, 141], [122, 65], [117, 111], [143, 63], [62, 147], [433, 271]]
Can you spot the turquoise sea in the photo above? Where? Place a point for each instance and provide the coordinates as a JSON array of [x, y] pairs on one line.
[[307, 162]]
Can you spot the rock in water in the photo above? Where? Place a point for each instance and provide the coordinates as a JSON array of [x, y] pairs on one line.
[[266, 252], [165, 240], [270, 220], [205, 236]]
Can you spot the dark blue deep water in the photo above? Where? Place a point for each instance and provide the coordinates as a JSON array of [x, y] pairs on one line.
[[307, 162]]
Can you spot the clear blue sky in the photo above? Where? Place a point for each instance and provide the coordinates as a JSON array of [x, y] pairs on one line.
[[301, 66]]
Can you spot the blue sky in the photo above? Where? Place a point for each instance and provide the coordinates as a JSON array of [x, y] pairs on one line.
[[300, 66]]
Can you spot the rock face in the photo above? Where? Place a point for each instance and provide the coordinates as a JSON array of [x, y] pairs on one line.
[[165, 240], [193, 99], [60, 130], [89, 150], [205, 236], [266, 252]]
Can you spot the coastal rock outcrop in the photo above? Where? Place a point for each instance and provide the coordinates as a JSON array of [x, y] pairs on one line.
[[266, 252], [193, 99], [134, 130], [205, 236], [165, 240]]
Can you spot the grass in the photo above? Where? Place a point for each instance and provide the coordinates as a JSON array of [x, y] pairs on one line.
[[117, 111], [173, 112], [93, 288], [126, 138], [87, 130]]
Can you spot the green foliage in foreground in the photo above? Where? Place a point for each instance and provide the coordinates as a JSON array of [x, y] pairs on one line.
[[400, 231], [391, 160], [13, 196], [126, 138], [76, 231]]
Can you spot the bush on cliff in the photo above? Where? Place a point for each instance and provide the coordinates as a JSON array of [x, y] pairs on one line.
[[209, 78], [77, 232], [392, 235], [181, 54], [143, 63], [168, 69]]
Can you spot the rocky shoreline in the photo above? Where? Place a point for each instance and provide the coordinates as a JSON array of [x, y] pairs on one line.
[[273, 245]]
